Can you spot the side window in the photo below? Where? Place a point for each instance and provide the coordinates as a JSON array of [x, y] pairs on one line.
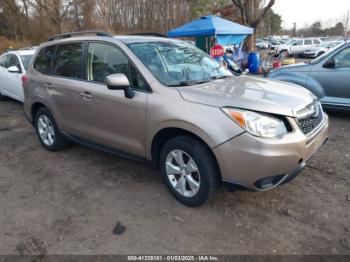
[[104, 60], [342, 59], [68, 60], [299, 42], [43, 60], [4, 61], [308, 42], [317, 42]]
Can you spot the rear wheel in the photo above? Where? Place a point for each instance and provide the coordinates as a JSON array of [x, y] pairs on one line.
[[189, 170], [320, 53], [48, 132], [2, 98]]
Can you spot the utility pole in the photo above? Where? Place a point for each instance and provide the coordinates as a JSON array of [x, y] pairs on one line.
[[347, 25]]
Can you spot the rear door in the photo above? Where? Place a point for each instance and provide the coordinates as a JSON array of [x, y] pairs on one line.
[[111, 119], [335, 81], [64, 83]]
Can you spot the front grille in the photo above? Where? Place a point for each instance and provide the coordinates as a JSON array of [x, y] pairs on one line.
[[310, 123]]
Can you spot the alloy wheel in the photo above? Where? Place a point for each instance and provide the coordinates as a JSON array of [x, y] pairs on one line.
[[183, 173], [46, 130]]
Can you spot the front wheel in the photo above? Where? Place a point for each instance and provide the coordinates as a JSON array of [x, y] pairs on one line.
[[189, 170], [48, 132]]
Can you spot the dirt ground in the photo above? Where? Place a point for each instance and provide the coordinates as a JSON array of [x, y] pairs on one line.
[[83, 201]]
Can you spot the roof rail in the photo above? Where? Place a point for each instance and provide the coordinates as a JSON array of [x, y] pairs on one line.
[[87, 32], [149, 34]]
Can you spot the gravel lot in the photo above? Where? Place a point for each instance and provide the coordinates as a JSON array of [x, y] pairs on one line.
[[82, 201]]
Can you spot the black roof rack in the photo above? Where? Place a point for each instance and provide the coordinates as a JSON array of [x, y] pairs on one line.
[[87, 32], [149, 34]]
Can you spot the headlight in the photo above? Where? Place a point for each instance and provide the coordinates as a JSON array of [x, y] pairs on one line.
[[257, 124]]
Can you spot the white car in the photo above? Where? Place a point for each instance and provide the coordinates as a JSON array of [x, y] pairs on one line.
[[13, 66], [283, 48], [297, 47], [317, 51], [261, 44]]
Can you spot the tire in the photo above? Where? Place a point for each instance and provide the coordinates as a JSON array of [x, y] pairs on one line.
[[320, 53], [2, 98], [207, 176], [55, 141]]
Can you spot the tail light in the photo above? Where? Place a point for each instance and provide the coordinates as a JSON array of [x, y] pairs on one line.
[[25, 79]]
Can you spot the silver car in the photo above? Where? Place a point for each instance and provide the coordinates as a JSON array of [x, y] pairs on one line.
[[328, 76], [165, 101]]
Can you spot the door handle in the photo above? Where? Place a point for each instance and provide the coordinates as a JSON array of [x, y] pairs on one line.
[[86, 95]]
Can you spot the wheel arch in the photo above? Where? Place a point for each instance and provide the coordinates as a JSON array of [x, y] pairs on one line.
[[164, 134]]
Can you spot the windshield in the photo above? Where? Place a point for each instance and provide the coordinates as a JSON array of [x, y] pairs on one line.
[[290, 42], [178, 63], [26, 60]]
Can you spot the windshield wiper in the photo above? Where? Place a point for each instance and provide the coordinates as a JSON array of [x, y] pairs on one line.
[[219, 77], [188, 83]]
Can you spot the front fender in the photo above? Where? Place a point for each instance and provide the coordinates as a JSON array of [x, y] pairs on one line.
[[299, 79]]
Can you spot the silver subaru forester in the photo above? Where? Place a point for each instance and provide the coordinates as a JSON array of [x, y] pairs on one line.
[[165, 101]]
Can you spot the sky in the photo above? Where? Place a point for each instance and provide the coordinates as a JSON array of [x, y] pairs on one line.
[[306, 12]]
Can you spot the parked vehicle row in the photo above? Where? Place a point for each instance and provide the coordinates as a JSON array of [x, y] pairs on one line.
[[167, 102], [297, 47], [328, 76]]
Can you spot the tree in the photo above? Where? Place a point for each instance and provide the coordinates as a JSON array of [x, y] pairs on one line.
[[252, 13], [316, 29], [270, 25]]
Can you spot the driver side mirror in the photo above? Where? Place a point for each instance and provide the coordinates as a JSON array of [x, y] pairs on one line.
[[120, 82], [13, 69], [330, 63]]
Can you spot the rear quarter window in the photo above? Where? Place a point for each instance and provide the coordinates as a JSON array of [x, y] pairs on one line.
[[43, 60]]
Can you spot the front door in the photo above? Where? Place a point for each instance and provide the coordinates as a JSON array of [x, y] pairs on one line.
[[335, 81]]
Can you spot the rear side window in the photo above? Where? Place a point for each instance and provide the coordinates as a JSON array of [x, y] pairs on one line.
[[68, 60], [317, 42], [26, 60], [308, 42], [43, 60]]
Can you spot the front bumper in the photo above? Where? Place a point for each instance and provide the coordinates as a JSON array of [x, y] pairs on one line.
[[259, 164]]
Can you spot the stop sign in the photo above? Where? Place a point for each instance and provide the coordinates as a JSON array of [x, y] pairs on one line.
[[217, 51]]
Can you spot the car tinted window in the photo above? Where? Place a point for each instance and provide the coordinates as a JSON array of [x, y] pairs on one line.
[[308, 42], [343, 58], [43, 60], [104, 60], [68, 60], [317, 42]]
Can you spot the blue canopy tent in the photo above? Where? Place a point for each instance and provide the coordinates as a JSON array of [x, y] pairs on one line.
[[226, 32]]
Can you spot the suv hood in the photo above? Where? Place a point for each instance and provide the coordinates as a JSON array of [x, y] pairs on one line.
[[252, 93]]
